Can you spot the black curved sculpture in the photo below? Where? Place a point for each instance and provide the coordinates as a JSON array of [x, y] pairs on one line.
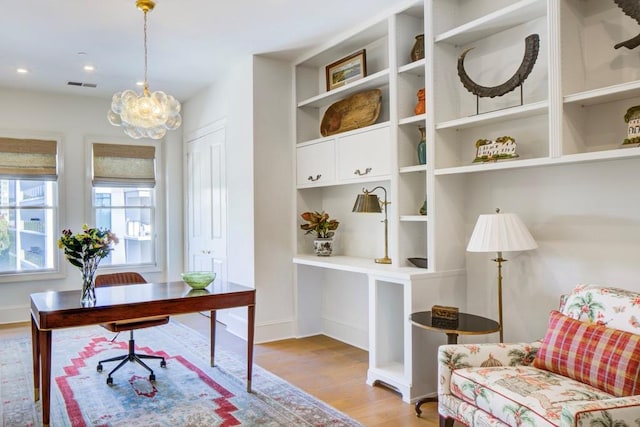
[[532, 46], [631, 8]]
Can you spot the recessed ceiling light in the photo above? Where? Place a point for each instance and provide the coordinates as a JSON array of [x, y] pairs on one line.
[[139, 83], [89, 68], [22, 70]]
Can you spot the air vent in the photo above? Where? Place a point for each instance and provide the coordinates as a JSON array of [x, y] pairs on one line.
[[82, 84]]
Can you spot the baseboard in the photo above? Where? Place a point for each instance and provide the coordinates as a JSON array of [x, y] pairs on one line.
[[346, 333], [14, 314], [274, 331]]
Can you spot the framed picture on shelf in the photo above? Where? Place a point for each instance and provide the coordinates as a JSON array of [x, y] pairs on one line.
[[346, 70]]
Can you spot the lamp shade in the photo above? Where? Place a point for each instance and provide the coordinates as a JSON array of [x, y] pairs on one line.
[[500, 232], [367, 203]]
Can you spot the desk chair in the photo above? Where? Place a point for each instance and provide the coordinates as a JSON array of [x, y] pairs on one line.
[[129, 278]]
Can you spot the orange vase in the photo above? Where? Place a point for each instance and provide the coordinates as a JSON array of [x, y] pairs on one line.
[[420, 107]]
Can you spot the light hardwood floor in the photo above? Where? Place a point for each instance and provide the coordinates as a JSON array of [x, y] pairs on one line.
[[328, 369]]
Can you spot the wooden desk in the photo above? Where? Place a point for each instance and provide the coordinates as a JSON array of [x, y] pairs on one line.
[[54, 310]]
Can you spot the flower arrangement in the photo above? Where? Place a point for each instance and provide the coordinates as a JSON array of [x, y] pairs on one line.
[[85, 250], [319, 223]]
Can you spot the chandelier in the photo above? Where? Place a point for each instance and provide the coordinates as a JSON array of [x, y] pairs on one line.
[[149, 115]]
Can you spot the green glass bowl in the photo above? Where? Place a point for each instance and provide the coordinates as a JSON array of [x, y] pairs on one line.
[[198, 279]]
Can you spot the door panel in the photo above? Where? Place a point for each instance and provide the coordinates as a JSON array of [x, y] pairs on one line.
[[206, 204]]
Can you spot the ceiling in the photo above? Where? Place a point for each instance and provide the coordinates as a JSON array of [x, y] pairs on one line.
[[190, 42]]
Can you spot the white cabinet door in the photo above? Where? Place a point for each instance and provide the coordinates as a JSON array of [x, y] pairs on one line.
[[316, 164], [364, 155]]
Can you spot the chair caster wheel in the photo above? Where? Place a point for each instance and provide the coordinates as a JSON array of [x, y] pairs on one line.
[[163, 364], [99, 367], [109, 381], [152, 377]]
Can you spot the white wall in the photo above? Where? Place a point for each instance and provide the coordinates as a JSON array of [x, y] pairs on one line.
[[254, 98], [586, 221], [273, 197], [75, 118], [230, 98]]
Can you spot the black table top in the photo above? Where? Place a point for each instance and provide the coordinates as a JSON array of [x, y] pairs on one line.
[[467, 324]]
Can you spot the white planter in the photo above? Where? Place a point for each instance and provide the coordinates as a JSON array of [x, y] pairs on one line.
[[323, 247]]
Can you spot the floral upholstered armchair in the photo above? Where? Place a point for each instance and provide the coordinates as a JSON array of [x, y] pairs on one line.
[[585, 372]]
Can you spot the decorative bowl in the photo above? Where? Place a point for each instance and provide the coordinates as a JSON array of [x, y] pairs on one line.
[[419, 262], [198, 279]]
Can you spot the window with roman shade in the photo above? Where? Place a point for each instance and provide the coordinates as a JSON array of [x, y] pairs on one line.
[[124, 165], [28, 159], [28, 205], [124, 200]]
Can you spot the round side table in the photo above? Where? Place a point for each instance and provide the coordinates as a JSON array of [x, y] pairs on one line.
[[467, 324]]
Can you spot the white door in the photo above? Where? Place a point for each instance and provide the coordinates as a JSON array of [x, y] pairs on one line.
[[206, 219]]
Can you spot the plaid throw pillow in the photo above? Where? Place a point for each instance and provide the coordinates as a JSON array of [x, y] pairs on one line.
[[608, 359]]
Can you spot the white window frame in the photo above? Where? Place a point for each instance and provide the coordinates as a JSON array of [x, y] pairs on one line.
[[58, 269], [158, 238]]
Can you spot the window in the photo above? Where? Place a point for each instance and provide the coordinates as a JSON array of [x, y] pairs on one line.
[[28, 205], [123, 200]]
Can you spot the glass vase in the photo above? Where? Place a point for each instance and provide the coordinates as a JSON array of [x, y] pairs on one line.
[[88, 297]]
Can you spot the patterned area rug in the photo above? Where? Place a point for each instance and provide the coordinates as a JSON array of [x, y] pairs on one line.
[[188, 392]]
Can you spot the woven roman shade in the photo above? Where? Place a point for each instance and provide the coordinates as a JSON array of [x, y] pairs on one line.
[[28, 159], [116, 165]]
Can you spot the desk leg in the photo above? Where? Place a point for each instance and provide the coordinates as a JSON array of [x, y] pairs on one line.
[[251, 314], [451, 339], [213, 337], [45, 358], [35, 354]]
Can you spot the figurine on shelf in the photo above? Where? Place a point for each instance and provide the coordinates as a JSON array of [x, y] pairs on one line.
[[420, 106], [503, 148], [633, 127]]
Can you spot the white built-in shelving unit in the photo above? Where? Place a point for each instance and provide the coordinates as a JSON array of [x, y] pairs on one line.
[[570, 109]]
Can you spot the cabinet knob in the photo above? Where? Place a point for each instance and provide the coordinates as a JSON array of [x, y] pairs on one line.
[[312, 179], [366, 171]]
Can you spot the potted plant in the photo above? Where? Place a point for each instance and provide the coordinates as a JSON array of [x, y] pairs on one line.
[[324, 229]]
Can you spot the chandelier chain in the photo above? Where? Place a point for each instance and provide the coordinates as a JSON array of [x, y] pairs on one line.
[[146, 85]]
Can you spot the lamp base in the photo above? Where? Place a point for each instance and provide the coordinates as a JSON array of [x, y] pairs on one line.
[[385, 260]]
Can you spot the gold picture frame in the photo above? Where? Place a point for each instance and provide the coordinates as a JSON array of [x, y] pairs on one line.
[[346, 70]]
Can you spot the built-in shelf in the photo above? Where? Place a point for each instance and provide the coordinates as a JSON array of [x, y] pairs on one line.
[[343, 134], [381, 78], [413, 218], [500, 165], [416, 68], [412, 119], [605, 94], [521, 111], [411, 169], [594, 156], [360, 265], [492, 23]]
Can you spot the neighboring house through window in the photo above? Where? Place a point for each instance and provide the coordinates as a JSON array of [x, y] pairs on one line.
[[28, 205], [124, 200]]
